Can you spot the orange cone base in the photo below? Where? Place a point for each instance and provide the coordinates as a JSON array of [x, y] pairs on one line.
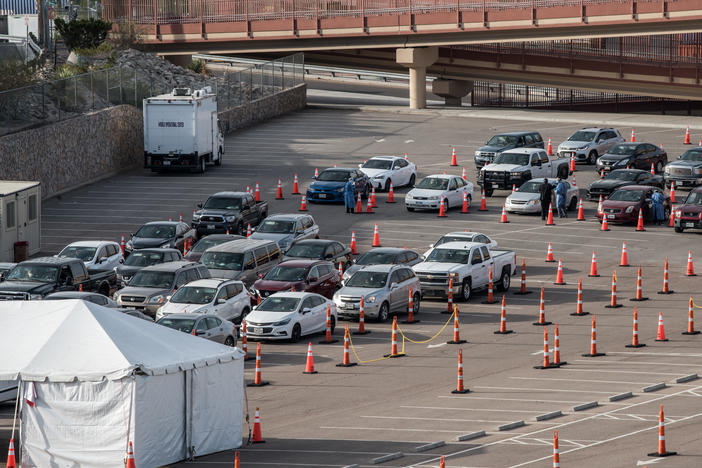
[[350, 364], [664, 454], [640, 345], [550, 261], [506, 332], [387, 201], [595, 276], [561, 283], [575, 314], [465, 390], [542, 324], [262, 384], [411, 321], [394, 355], [364, 332], [610, 306], [313, 372], [520, 293], [262, 441], [593, 355], [550, 366], [691, 274], [670, 291], [696, 332], [638, 300], [664, 339], [456, 342], [328, 342], [625, 266]]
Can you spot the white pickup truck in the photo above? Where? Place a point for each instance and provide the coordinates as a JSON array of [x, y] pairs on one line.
[[518, 165], [468, 263]]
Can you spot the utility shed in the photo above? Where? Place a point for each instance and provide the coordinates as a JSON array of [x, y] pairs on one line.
[[20, 220]]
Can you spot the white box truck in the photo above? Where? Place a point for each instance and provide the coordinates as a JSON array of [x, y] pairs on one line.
[[181, 131]]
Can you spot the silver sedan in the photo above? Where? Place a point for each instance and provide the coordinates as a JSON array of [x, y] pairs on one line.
[[527, 197], [207, 326]]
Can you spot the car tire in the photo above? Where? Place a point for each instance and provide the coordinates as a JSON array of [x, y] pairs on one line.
[[202, 167], [386, 188], [679, 229], [244, 312], [383, 313], [104, 289], [592, 157], [416, 303], [658, 168], [296, 333], [411, 181], [563, 171], [230, 341], [505, 280], [466, 290], [666, 214], [446, 204], [410, 209]]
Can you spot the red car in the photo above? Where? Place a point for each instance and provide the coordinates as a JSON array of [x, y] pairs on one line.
[[689, 214], [624, 204], [301, 275]]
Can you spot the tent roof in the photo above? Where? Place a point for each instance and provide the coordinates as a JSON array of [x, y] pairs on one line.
[[72, 339]]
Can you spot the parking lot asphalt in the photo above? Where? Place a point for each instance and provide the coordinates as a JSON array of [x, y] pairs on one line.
[[345, 416]]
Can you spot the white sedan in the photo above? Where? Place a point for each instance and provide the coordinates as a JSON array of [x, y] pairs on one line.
[[227, 299], [427, 194], [289, 316], [383, 169], [462, 236], [527, 197]]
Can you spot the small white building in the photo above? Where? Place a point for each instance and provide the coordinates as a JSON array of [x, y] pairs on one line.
[[20, 218]]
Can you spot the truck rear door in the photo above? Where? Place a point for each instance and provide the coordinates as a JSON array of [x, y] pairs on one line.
[[479, 269]]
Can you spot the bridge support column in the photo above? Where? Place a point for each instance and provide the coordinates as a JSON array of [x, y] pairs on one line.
[[180, 60], [417, 59], [451, 90]]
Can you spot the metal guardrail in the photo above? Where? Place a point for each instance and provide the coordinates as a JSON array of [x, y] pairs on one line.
[[22, 40]]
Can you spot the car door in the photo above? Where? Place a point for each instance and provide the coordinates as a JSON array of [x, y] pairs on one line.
[[451, 192], [320, 311], [401, 173], [220, 306], [313, 281], [238, 300], [479, 270], [490, 263], [114, 256], [251, 214], [394, 291], [405, 284], [215, 329], [326, 280], [308, 320]]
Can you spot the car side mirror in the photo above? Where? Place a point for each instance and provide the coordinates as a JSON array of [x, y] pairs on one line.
[[312, 279], [306, 310], [328, 256], [121, 260], [260, 276], [199, 205], [221, 300], [394, 286]]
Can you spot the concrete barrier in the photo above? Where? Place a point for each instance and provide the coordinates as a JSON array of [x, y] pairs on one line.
[[654, 388], [433, 445], [512, 425], [687, 378], [470, 436], [388, 457], [551, 415], [585, 406], [621, 396]]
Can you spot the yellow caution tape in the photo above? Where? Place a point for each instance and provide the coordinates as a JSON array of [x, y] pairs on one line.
[[353, 348], [693, 303], [404, 337]]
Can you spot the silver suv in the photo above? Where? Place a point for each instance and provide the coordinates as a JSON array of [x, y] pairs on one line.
[[587, 144], [384, 289]]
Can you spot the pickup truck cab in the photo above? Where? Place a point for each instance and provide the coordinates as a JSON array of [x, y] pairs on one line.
[[34, 279], [506, 141], [686, 171], [228, 212], [468, 263], [516, 166]]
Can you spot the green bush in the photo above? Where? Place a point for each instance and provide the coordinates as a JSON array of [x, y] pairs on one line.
[[67, 70], [197, 66], [84, 33], [15, 74], [102, 50]]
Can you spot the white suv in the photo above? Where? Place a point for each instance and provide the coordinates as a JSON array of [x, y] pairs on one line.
[[587, 144], [227, 299]]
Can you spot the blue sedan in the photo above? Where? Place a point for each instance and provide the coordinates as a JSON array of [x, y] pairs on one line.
[[329, 185]]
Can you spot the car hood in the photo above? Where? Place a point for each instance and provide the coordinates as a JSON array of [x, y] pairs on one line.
[[327, 185], [573, 144], [269, 285], [26, 286], [261, 316], [144, 242], [608, 184], [126, 270], [506, 167], [357, 292], [680, 163], [615, 157], [148, 292], [689, 208], [523, 196], [270, 236], [436, 267], [415, 192], [494, 149], [376, 172], [211, 212], [173, 308]]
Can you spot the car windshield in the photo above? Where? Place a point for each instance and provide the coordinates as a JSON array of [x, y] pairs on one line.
[[306, 251], [368, 279], [279, 304], [282, 273], [623, 150], [206, 243], [448, 256], [433, 183], [513, 158], [84, 254], [532, 186], [333, 176], [376, 258], [446, 239], [626, 195], [41, 273], [276, 227], [142, 259], [378, 164], [223, 203], [156, 231], [180, 324], [621, 174], [223, 260], [582, 136], [695, 198], [194, 295], [692, 155], [153, 279], [503, 140]]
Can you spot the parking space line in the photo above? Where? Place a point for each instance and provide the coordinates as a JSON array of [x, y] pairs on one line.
[[470, 409], [618, 371], [523, 389], [400, 429], [413, 418], [581, 380]]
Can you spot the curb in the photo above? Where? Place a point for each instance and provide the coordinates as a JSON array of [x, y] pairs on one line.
[[687, 378], [653, 388], [470, 436], [621, 396], [433, 445], [388, 457], [551, 415], [585, 406], [512, 425]]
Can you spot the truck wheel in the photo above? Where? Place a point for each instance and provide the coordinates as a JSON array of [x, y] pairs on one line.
[[218, 162], [505, 280], [466, 290], [563, 172], [383, 313], [592, 157], [201, 169]]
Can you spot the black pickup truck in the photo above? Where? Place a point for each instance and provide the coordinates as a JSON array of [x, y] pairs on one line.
[[228, 212], [33, 279]]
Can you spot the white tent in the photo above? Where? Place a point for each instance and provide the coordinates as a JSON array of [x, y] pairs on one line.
[[103, 378]]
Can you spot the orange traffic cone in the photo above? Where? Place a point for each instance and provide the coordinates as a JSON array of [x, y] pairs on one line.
[[672, 191], [248, 231], [639, 287], [581, 212], [257, 193], [522, 288], [542, 311], [359, 205], [257, 437], [572, 164], [593, 341], [557, 349], [442, 207], [662, 452], [369, 205], [613, 299], [503, 218], [244, 344], [633, 136], [279, 191], [453, 157], [391, 194], [442, 462], [556, 452], [296, 188], [376, 236], [635, 333], [449, 298], [671, 218], [549, 254], [463, 174], [666, 289], [624, 262], [80, 287], [316, 172], [559, 274], [490, 296], [328, 330], [640, 223], [660, 334], [593, 266], [686, 141], [346, 362], [483, 201], [579, 307], [605, 225], [690, 267], [372, 198], [464, 207], [353, 247], [549, 148], [549, 218], [361, 320], [309, 365], [410, 308], [459, 386], [653, 170], [303, 203], [545, 364], [237, 460], [11, 462], [503, 320], [394, 353], [456, 332], [257, 376], [130, 457], [690, 319], [122, 245]]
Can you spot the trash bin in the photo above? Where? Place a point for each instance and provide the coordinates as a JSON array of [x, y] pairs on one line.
[[21, 251]]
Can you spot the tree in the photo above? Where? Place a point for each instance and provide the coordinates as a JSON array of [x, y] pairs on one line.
[[84, 33]]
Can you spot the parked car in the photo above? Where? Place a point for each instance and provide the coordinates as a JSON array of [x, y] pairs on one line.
[[320, 249], [36, 278], [228, 212], [300, 275], [381, 170], [228, 299], [166, 234], [383, 256], [469, 264], [686, 171], [634, 156], [206, 326], [133, 313], [95, 298], [242, 259], [5, 269], [384, 289], [329, 185], [689, 214], [210, 240], [619, 178], [142, 258], [518, 166], [506, 141], [150, 287], [624, 204], [427, 194], [289, 316], [96, 255], [462, 236], [587, 144], [286, 229], [526, 200]]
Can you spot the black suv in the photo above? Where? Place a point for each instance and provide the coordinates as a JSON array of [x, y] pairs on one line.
[[504, 141]]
